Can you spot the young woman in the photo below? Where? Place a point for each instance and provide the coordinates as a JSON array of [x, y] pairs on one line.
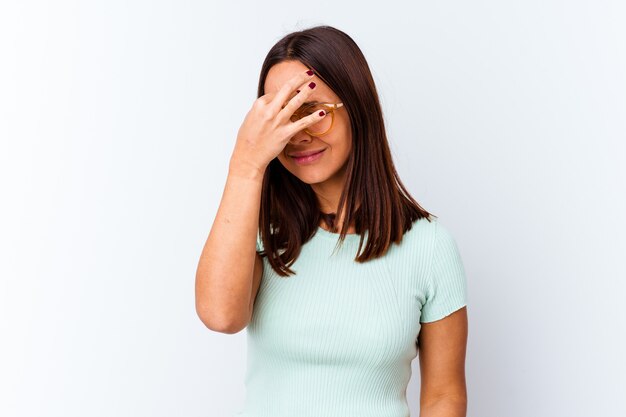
[[350, 276]]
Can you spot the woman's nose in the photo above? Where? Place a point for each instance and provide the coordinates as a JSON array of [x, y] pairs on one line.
[[301, 137]]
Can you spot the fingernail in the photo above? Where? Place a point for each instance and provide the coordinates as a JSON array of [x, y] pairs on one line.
[[297, 91], [312, 84], [322, 112], [309, 72]]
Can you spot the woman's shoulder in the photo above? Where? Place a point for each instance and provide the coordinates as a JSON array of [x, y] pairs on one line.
[[423, 229], [424, 235]]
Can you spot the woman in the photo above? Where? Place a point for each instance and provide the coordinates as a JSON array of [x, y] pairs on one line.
[[332, 329]]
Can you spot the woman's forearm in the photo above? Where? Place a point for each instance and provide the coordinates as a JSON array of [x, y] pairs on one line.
[[224, 274]]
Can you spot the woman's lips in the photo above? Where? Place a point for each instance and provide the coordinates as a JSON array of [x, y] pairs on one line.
[[305, 153], [304, 160]]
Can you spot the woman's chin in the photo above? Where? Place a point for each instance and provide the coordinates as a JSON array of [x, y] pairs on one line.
[[311, 177]]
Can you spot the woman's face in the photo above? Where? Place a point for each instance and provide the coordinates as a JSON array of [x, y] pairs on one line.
[[330, 167]]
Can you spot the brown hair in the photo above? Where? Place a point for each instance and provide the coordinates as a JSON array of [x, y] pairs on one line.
[[373, 198]]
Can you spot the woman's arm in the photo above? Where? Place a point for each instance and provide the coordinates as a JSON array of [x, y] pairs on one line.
[[229, 271], [224, 277], [442, 347]]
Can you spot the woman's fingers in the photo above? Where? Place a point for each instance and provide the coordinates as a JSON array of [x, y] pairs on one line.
[[288, 89], [290, 108], [306, 122]]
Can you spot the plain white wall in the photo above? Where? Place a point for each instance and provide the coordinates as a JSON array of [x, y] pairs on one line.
[[117, 120]]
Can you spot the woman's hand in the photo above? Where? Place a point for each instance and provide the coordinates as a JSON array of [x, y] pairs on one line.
[[267, 127]]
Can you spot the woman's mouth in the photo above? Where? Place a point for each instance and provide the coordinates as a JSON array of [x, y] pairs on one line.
[[304, 160]]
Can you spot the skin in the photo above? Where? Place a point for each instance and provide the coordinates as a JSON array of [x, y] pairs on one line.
[[327, 175], [442, 344], [442, 351]]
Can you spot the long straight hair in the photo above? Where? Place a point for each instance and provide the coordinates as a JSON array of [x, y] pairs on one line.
[[373, 198]]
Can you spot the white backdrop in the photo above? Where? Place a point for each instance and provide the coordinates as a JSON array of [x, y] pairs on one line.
[[117, 120]]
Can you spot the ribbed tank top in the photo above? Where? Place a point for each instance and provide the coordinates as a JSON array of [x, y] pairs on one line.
[[337, 339]]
